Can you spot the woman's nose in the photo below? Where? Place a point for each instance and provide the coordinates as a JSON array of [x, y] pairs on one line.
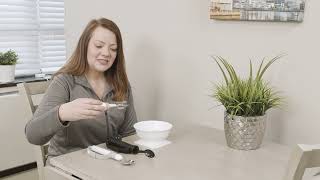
[[105, 52]]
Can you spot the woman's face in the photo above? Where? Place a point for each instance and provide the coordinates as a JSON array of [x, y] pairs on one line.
[[102, 50]]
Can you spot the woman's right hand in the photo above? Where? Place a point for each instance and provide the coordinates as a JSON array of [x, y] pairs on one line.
[[82, 108]]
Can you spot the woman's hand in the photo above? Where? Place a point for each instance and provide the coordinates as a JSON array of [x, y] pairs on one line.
[[82, 108]]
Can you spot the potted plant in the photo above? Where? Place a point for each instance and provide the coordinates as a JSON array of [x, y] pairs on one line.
[[246, 101], [8, 61]]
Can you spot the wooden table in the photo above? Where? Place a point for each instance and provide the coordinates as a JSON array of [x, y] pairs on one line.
[[196, 152]]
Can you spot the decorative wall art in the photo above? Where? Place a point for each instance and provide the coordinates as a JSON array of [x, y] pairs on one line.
[[258, 10]]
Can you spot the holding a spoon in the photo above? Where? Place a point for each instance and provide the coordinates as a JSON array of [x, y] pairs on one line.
[[72, 113]]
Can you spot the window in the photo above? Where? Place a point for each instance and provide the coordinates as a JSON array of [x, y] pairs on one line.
[[35, 30]]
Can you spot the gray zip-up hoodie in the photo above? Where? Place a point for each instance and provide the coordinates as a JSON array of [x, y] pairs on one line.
[[45, 125]]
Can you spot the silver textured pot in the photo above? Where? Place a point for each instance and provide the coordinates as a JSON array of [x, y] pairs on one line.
[[244, 133]]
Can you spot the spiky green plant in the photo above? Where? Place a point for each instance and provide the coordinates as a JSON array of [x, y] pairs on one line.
[[245, 97]]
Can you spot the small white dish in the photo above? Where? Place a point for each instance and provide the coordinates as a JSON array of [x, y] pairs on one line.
[[153, 130], [152, 144], [152, 133]]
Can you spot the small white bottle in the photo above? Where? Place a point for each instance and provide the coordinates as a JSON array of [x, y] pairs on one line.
[[102, 153]]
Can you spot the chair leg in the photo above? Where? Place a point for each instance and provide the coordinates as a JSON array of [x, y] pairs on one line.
[[297, 164], [40, 173], [39, 159]]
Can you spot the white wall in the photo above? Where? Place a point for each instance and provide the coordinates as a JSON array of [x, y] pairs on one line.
[[168, 46]]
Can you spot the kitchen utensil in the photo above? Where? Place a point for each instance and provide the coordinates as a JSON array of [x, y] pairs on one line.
[[101, 153]]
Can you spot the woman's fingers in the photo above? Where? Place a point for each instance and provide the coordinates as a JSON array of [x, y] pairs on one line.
[[82, 108], [99, 108], [88, 117], [88, 112]]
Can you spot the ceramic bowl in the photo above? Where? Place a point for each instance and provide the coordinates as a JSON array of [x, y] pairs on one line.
[[153, 130]]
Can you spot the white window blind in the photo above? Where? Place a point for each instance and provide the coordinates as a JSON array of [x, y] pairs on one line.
[[35, 30]]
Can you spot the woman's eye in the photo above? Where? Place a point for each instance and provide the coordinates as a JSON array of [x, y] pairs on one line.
[[98, 46], [114, 50]]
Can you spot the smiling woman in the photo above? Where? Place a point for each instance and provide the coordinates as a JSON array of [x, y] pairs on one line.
[[72, 114], [102, 50], [100, 41]]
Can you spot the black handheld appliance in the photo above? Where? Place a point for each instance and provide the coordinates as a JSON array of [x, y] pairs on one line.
[[116, 144]]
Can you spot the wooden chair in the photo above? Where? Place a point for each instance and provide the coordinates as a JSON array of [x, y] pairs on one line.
[[27, 91], [302, 157]]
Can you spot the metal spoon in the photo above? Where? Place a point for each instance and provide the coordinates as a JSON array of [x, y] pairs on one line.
[[147, 152], [126, 162]]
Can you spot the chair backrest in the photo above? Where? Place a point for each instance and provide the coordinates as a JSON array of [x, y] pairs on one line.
[[302, 157], [27, 91]]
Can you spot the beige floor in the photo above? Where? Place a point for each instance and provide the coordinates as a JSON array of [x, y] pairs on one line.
[[26, 175]]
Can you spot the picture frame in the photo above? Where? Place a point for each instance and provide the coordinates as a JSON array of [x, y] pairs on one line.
[[258, 10]]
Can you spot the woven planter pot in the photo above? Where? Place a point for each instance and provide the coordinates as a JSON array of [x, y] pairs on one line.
[[244, 133]]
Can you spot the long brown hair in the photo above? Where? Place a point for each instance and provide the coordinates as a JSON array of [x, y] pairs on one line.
[[116, 75]]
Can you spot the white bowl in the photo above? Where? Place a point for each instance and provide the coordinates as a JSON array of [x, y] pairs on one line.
[[153, 130]]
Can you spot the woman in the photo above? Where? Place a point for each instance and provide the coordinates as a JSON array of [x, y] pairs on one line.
[[71, 114]]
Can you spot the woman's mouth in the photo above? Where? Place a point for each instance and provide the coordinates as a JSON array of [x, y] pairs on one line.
[[103, 61]]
